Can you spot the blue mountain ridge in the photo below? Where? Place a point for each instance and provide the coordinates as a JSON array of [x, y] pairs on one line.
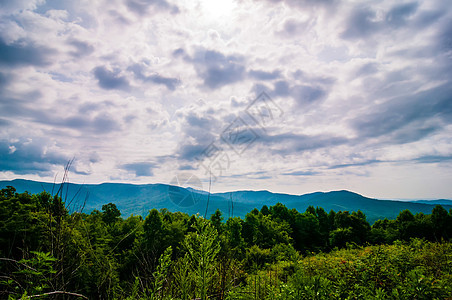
[[138, 199]]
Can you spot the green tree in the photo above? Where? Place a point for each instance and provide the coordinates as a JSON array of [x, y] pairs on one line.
[[110, 213], [441, 222], [202, 247], [216, 220], [406, 225]]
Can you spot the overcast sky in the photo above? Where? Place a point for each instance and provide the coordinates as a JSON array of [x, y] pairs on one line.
[[359, 93]]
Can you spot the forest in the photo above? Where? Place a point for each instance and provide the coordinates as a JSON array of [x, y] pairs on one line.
[[273, 253]]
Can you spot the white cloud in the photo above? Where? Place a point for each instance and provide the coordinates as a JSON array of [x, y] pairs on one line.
[[117, 84]]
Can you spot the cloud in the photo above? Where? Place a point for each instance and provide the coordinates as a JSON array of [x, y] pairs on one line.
[[217, 69], [186, 168], [263, 75], [445, 38], [15, 54], [192, 152], [198, 121], [90, 120], [178, 52], [351, 77], [357, 164], [169, 82], [141, 7], [306, 90], [198, 133], [140, 168], [361, 23], [399, 14], [301, 173], [367, 69], [432, 159], [4, 80], [4, 122], [101, 123], [29, 156], [292, 143], [81, 48], [281, 88], [305, 3], [305, 94], [15, 6], [292, 27], [408, 118], [110, 80], [302, 94]]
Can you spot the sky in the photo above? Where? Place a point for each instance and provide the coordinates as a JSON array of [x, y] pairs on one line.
[[291, 96]]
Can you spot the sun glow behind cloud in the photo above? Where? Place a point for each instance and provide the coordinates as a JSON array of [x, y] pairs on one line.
[[215, 10]]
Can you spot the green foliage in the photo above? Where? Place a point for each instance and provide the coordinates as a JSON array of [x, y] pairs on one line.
[[274, 253], [32, 276], [110, 214], [202, 247]]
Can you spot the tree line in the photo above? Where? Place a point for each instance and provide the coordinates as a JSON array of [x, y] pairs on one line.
[[45, 251]]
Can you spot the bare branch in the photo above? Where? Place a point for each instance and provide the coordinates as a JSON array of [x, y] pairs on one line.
[[54, 293]]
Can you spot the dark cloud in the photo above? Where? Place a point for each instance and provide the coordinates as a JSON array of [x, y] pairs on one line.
[[426, 18], [306, 90], [361, 24], [263, 75], [192, 152], [110, 80], [217, 69], [432, 159], [408, 118], [29, 156], [141, 7], [169, 82], [445, 38], [94, 157], [357, 164], [291, 28], [21, 54], [3, 80], [89, 107], [281, 88], [101, 123], [140, 168], [198, 133], [399, 14], [14, 6], [88, 121], [301, 173], [81, 48], [367, 69], [305, 94], [4, 122], [202, 122], [186, 168], [178, 52], [291, 143]]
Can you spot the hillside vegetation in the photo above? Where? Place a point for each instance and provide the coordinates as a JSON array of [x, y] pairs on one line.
[[272, 253], [138, 199]]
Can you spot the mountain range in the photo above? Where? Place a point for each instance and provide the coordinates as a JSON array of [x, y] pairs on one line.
[[138, 199]]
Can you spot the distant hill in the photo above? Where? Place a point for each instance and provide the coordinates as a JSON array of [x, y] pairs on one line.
[[139, 199], [435, 202]]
